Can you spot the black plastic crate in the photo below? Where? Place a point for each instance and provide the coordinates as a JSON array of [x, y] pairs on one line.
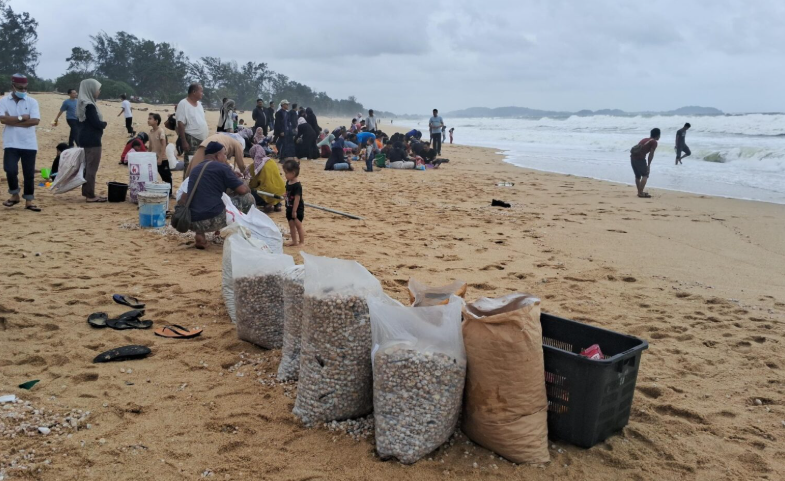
[[588, 400]]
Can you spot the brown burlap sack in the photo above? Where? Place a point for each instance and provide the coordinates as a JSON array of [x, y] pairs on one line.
[[505, 404]]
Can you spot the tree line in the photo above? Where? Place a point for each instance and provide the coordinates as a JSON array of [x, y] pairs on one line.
[[157, 72]]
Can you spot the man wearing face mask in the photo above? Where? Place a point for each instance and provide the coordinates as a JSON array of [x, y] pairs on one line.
[[19, 114]]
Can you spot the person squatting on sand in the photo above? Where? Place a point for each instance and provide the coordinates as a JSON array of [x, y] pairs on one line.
[[208, 213], [91, 130], [640, 166], [264, 175], [234, 150], [20, 115]]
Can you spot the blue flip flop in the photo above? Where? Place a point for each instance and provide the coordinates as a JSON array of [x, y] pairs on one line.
[[129, 301]]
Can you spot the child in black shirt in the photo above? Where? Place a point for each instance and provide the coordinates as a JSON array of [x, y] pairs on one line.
[[295, 208], [56, 164]]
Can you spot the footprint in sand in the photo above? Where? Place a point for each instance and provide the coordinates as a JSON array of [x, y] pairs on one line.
[[650, 391]]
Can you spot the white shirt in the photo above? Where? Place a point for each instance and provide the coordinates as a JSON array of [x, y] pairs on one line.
[[193, 118], [370, 122], [126, 105], [20, 137]]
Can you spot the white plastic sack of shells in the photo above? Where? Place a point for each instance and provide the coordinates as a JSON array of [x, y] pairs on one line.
[[71, 172], [419, 367], [335, 381], [258, 294], [233, 235], [293, 290], [261, 226]]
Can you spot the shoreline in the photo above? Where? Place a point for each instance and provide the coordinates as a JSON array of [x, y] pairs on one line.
[[701, 278], [726, 182]]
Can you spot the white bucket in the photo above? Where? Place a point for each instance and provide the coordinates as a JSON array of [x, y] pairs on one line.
[[152, 208], [159, 188]]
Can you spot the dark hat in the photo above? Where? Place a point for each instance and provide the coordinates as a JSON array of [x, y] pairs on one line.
[[18, 78], [213, 148]]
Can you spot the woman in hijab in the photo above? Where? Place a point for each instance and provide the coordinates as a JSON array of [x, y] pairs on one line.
[[311, 118], [306, 140], [226, 121], [91, 129], [264, 175]]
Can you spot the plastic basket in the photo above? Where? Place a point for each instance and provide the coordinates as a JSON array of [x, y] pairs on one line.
[[588, 400]]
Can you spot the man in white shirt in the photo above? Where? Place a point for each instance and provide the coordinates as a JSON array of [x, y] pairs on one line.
[[20, 115], [129, 116], [370, 122], [436, 124], [191, 124]]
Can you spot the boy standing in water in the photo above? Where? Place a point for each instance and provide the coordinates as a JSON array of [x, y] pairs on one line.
[[681, 143], [640, 166], [295, 208]]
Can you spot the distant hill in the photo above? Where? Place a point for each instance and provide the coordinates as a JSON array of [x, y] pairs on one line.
[[523, 112]]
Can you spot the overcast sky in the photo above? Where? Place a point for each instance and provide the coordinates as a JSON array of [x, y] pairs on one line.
[[411, 56]]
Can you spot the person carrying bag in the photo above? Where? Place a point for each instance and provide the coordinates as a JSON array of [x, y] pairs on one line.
[[181, 219]]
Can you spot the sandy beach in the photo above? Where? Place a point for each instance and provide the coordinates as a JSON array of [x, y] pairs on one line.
[[701, 278]]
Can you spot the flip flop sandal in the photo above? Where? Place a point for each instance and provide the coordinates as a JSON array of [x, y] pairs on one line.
[[129, 301], [127, 316], [177, 332], [139, 324], [120, 324], [11, 203], [124, 353], [98, 319], [34, 208]]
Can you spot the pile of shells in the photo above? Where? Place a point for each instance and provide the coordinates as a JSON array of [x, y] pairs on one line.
[[21, 418], [259, 304], [335, 361], [417, 401], [292, 323], [358, 429], [169, 231]]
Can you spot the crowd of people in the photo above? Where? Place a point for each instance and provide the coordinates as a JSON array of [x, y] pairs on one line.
[[236, 159]]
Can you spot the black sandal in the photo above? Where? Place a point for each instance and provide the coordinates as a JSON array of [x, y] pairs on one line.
[[123, 354], [34, 208], [10, 203], [98, 319], [129, 301]]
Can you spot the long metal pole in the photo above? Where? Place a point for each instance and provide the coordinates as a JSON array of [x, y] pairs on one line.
[[274, 196]]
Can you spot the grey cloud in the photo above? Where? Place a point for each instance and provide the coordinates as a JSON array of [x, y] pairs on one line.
[[409, 56]]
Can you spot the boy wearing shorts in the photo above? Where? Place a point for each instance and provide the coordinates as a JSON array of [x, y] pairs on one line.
[[640, 166]]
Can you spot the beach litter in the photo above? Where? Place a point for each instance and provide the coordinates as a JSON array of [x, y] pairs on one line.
[[29, 384]]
